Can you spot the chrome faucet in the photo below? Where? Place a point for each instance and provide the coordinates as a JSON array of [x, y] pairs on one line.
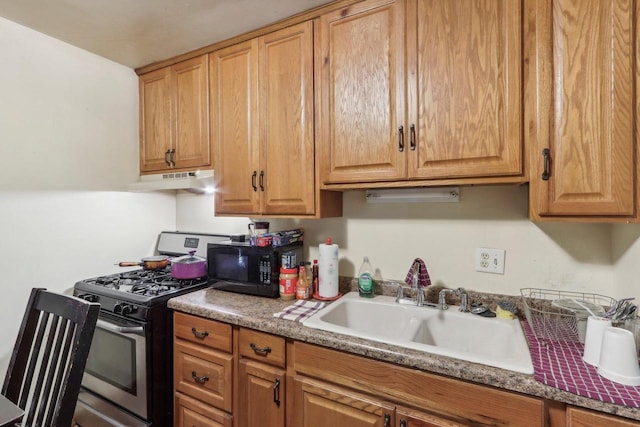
[[464, 299]]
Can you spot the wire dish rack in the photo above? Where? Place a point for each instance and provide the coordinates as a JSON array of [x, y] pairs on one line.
[[552, 323]]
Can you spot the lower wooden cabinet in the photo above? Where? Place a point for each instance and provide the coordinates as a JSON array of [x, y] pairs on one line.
[[319, 404], [231, 376], [578, 417], [262, 395], [193, 413]]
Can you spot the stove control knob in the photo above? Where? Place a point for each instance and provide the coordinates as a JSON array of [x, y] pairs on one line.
[[89, 297], [127, 309], [117, 309]]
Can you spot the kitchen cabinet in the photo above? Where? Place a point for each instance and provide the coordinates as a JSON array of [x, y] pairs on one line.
[[439, 401], [174, 122], [262, 379], [420, 92], [323, 405], [203, 371], [262, 117], [577, 417], [580, 108]]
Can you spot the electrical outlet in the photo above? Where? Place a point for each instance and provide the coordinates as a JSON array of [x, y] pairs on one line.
[[490, 260]]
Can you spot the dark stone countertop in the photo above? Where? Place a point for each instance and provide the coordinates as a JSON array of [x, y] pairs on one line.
[[257, 313]]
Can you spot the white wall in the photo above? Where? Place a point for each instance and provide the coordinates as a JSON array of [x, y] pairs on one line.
[[562, 256], [68, 138]]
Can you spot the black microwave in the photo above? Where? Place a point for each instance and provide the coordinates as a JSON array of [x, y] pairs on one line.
[[240, 267]]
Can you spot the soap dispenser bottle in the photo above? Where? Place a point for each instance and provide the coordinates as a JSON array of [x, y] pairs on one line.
[[365, 279]]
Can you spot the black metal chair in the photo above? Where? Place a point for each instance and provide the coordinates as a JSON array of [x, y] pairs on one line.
[[49, 358]]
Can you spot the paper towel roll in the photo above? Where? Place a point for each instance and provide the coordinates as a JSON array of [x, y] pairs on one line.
[[328, 269]]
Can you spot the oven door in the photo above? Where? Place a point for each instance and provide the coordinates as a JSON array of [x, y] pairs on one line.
[[116, 368]]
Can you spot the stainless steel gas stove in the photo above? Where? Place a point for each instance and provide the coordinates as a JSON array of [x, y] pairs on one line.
[[128, 377]]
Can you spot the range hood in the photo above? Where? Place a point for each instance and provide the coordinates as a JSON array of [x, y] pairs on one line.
[[199, 181]]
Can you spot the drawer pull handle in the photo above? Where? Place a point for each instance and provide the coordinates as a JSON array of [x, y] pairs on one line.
[[259, 350], [202, 335], [166, 157], [547, 159], [276, 392], [387, 420], [262, 180], [200, 380], [172, 156], [401, 139]]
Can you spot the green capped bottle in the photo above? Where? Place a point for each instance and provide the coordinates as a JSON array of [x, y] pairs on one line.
[[365, 279]]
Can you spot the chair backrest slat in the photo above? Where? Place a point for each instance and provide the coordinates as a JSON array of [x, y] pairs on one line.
[[45, 379]]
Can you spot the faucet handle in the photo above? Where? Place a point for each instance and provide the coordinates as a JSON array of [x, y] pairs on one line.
[[399, 292]]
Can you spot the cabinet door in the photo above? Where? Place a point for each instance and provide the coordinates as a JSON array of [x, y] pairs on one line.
[[287, 174], [361, 92], [464, 88], [262, 395], [580, 102], [155, 120], [319, 404], [577, 417], [406, 417], [193, 413], [190, 86], [234, 122]]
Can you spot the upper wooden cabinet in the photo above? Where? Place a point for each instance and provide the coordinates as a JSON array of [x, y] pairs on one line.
[[263, 125], [581, 110], [421, 91], [174, 126]]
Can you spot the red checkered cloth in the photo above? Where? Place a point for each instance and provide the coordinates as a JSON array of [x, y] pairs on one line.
[[559, 364], [300, 310], [423, 275]]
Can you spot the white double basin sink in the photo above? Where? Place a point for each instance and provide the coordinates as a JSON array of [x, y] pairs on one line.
[[487, 340]]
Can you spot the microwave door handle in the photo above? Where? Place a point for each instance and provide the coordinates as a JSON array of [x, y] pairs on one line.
[[121, 329]]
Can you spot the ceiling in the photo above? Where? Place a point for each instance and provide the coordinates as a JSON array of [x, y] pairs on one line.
[[139, 32]]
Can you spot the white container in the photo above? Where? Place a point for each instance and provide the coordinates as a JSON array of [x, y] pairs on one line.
[[618, 357], [328, 269], [593, 340]]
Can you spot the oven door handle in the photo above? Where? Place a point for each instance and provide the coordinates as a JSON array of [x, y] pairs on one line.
[[120, 329]]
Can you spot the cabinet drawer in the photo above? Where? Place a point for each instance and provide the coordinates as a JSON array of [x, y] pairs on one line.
[[192, 413], [204, 374], [263, 347], [202, 331]]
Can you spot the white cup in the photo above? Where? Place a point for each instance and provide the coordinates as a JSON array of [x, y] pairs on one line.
[[593, 339], [618, 357]]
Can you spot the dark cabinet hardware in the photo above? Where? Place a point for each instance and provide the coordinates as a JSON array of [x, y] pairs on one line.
[[172, 156], [262, 180], [401, 139], [259, 350], [200, 380], [201, 335], [166, 157], [403, 423], [412, 137], [547, 158], [387, 420], [254, 175], [276, 392]]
